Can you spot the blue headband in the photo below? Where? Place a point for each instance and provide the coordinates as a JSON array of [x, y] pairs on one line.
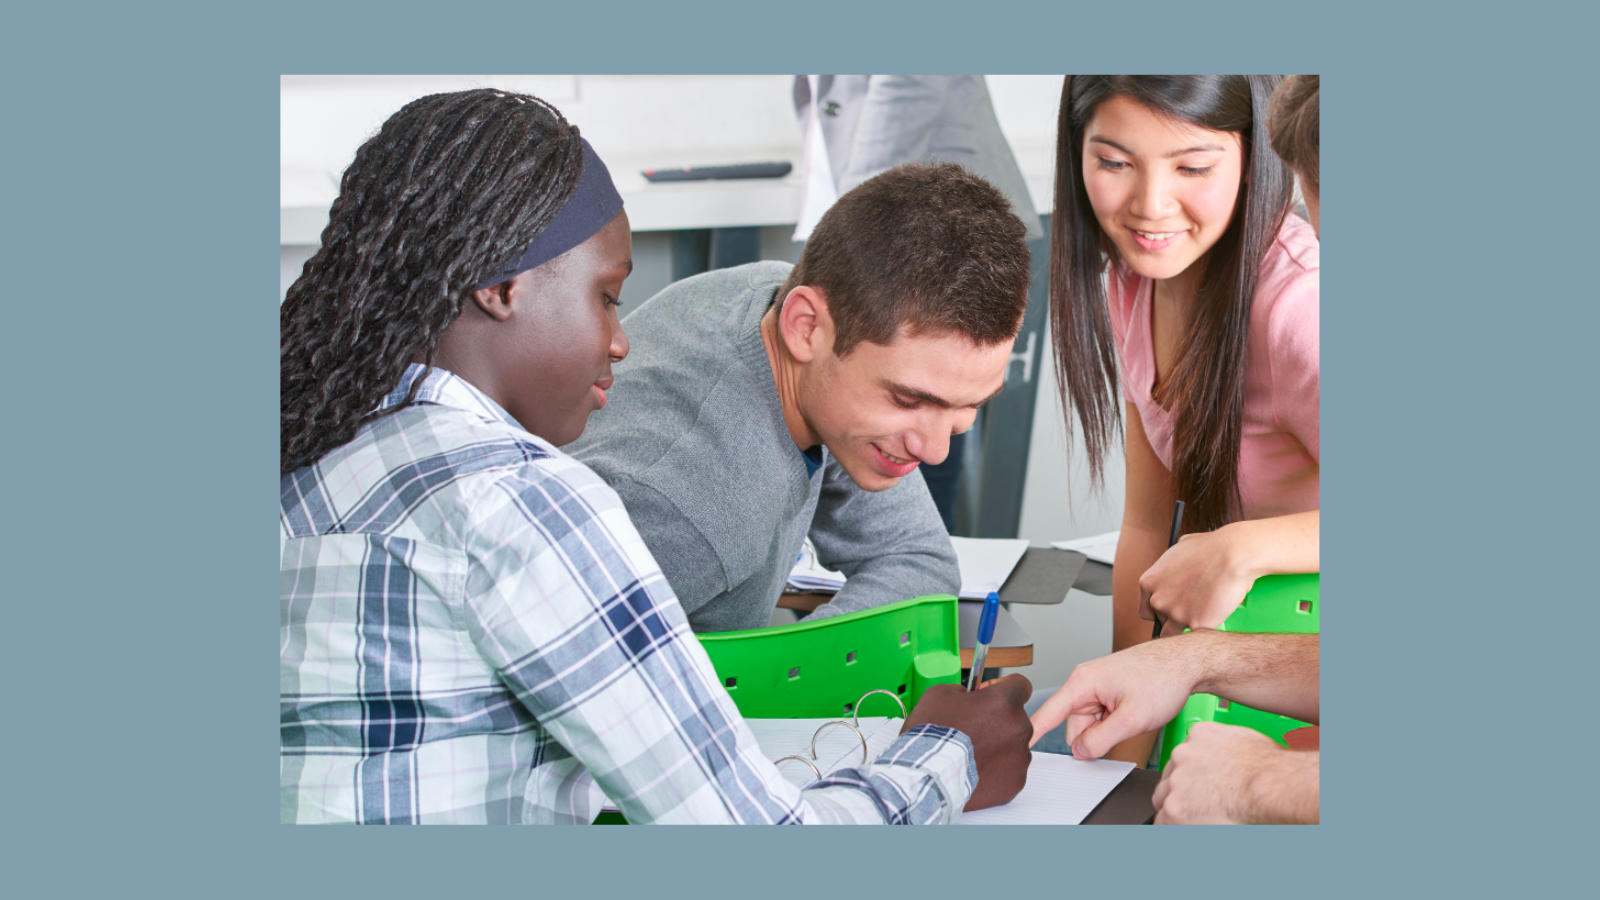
[[593, 203]]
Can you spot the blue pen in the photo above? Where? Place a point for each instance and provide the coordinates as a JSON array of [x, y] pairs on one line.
[[991, 612]]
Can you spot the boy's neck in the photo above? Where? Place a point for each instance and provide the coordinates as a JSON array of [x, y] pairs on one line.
[[786, 372]]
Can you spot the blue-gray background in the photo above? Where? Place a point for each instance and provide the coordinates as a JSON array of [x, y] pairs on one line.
[[140, 233]]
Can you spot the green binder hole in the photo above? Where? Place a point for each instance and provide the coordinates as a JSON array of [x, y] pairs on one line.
[[849, 658], [794, 673], [849, 708], [1305, 606], [731, 681], [1221, 703], [905, 638], [902, 689]]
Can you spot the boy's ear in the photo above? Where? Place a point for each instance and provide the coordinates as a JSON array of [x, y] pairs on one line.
[[494, 300], [805, 324]]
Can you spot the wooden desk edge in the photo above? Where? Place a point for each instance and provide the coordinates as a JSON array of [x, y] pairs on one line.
[[1000, 657]]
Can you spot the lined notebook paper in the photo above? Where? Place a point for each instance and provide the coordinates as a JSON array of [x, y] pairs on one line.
[[1061, 791]]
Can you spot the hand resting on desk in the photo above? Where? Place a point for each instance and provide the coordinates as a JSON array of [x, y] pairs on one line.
[[993, 719]]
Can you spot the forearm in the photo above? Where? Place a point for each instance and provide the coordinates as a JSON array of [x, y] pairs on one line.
[[1278, 673], [1137, 550], [1287, 791], [1278, 545]]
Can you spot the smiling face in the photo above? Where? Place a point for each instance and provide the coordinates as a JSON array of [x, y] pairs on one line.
[[555, 358], [1163, 190], [883, 410]]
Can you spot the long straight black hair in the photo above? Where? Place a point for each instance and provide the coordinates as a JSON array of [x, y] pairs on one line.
[[1206, 389], [449, 188]]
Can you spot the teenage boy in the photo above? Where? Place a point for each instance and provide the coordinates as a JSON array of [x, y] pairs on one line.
[[766, 402]]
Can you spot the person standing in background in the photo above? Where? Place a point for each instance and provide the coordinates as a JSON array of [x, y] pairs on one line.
[[856, 126]]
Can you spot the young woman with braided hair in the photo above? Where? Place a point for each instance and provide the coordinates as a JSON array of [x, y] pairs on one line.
[[471, 628]]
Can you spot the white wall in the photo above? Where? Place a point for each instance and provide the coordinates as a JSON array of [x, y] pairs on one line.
[[1058, 503]]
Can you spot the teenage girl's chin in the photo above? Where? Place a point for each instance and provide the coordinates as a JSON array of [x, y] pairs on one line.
[[1156, 266]]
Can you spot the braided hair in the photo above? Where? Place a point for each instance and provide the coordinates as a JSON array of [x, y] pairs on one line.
[[450, 187]]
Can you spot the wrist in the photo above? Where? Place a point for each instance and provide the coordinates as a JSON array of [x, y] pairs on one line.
[[1283, 788], [1242, 550], [1201, 658]]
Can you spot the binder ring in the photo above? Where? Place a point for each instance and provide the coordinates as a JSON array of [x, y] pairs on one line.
[[892, 695], [804, 760], [825, 726]]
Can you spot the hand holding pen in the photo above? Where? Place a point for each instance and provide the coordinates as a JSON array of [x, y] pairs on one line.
[[980, 654]]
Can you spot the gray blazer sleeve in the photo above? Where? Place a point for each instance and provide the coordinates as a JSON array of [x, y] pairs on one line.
[[890, 545], [881, 121]]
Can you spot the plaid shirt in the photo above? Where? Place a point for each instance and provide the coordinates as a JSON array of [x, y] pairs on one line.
[[472, 631]]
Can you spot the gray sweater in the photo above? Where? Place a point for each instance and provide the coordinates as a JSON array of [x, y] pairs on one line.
[[693, 439]]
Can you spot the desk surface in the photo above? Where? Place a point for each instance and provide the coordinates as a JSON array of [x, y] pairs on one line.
[[1044, 575], [1129, 802]]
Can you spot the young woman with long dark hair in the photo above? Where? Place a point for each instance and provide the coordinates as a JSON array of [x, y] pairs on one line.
[[1173, 251]]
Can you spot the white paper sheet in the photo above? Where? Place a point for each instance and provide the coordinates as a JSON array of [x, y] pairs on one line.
[[1061, 791], [986, 563], [1100, 547]]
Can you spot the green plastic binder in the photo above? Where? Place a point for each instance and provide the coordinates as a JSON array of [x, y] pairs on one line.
[[819, 669], [1283, 604]]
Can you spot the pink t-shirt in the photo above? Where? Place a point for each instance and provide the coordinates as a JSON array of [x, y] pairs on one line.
[[1279, 461]]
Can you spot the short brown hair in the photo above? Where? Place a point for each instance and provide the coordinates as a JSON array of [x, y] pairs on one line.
[[929, 246], [1292, 123]]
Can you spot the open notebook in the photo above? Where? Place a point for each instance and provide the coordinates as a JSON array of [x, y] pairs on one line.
[[1060, 790]]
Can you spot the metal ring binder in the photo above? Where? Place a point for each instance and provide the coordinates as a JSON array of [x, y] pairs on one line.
[[802, 759], [826, 726], [892, 694]]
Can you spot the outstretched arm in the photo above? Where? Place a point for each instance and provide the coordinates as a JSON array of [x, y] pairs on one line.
[[1111, 699]]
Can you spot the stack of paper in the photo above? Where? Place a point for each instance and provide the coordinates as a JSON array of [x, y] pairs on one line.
[[985, 564], [1100, 547], [809, 575]]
